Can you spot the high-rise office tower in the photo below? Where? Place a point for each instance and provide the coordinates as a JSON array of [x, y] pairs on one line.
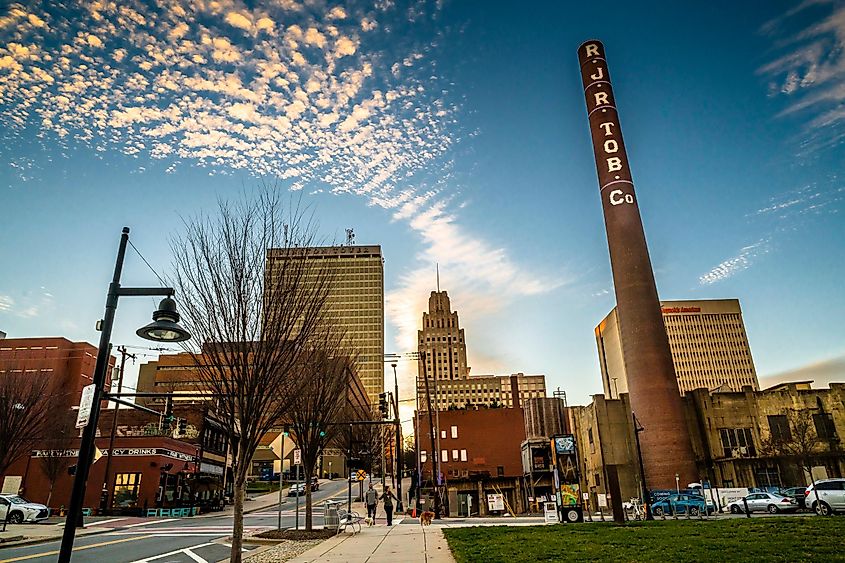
[[355, 302], [442, 341], [708, 342]]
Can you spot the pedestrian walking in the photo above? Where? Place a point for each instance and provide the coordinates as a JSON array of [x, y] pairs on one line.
[[388, 497], [371, 498]]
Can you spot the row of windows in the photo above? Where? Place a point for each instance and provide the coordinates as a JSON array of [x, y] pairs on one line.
[[457, 455]]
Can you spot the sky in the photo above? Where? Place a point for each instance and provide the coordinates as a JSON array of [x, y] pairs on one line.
[[449, 132]]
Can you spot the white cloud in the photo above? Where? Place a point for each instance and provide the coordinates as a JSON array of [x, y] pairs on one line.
[[6, 303], [732, 266], [239, 20]]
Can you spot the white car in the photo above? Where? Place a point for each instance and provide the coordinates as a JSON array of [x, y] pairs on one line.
[[19, 510], [831, 496], [764, 502]]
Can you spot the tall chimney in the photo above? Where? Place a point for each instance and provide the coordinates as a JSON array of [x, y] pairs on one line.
[[652, 384]]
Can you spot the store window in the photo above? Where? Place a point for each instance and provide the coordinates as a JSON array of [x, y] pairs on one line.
[[126, 487]]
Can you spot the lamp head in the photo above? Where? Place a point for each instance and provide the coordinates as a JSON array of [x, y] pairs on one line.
[[165, 326]]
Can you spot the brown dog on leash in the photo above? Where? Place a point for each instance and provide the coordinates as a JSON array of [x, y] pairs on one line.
[[426, 517]]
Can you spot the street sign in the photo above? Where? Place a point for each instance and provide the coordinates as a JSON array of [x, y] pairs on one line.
[[297, 457], [361, 474], [85, 405]]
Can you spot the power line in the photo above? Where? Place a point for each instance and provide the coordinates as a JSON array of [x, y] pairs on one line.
[[145, 262]]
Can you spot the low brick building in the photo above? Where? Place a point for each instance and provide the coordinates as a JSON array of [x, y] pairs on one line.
[[480, 456]]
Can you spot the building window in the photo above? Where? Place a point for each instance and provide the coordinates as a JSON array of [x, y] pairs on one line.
[[443, 434], [779, 427], [463, 455], [737, 442], [825, 429], [423, 456], [454, 432], [597, 479], [444, 455], [126, 486], [454, 455], [590, 435], [500, 471]]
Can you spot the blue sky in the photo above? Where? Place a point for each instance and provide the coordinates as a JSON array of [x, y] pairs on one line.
[[448, 132]]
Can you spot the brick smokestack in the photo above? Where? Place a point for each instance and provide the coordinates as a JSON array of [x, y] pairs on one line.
[[652, 384]]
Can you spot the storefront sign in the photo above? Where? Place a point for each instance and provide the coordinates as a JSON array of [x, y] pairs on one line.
[[211, 469]]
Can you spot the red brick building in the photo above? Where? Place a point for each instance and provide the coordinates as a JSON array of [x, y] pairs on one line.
[[68, 365], [480, 455]]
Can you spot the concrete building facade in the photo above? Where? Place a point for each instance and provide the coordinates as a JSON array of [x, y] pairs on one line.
[[707, 339], [355, 301], [735, 437]]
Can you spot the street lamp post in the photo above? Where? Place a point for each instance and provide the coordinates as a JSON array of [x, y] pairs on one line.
[[164, 328], [646, 500]]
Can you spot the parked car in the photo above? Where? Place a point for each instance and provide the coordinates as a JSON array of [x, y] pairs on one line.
[[681, 504], [20, 510], [831, 496], [797, 494], [764, 502]]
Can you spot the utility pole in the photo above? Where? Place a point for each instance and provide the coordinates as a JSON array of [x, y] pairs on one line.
[[397, 456], [435, 460], [104, 498]]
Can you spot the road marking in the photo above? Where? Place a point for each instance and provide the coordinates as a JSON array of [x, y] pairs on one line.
[[186, 550], [80, 548], [150, 523]]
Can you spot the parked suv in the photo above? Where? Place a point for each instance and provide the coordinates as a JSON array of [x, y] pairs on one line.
[[831, 496], [20, 510]]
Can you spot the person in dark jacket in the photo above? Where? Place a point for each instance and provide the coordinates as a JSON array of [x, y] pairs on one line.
[[388, 497], [371, 498]]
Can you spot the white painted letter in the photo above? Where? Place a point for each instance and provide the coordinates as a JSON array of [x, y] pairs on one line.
[[611, 146], [601, 98], [599, 74], [592, 50], [614, 163], [614, 200], [606, 126]]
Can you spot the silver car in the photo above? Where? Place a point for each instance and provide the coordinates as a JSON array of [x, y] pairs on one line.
[[831, 496], [764, 502], [19, 510]]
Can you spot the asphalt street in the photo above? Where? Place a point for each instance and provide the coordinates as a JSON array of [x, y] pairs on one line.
[[188, 540]]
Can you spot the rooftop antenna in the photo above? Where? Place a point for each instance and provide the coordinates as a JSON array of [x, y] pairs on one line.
[[437, 266], [350, 237]]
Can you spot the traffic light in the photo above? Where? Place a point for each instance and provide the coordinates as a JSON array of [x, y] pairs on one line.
[[286, 430], [167, 416], [183, 425], [382, 404]]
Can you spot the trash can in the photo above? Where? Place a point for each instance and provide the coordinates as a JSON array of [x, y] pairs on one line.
[[331, 518]]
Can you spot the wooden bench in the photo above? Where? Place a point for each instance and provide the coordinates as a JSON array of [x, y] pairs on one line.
[[348, 519]]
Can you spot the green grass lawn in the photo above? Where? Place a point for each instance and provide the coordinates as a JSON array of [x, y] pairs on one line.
[[754, 539]]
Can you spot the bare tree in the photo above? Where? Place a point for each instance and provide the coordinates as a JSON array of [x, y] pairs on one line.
[[800, 444], [24, 409], [321, 404], [60, 435], [251, 315]]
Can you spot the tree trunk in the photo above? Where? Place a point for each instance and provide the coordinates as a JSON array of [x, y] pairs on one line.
[[50, 494], [308, 515], [238, 524]]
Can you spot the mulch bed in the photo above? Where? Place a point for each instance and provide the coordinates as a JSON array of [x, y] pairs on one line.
[[296, 535]]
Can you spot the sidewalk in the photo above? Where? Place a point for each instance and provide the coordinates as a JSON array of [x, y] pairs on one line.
[[381, 544]]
